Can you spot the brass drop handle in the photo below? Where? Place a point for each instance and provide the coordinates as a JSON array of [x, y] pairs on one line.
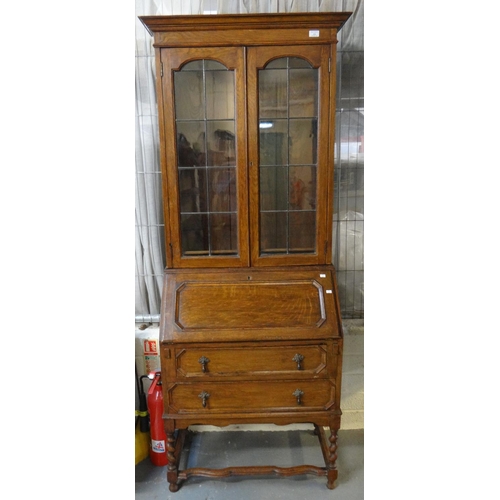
[[298, 394], [203, 361], [298, 358], [204, 396]]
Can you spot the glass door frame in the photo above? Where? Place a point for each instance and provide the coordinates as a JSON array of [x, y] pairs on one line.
[[257, 59], [173, 59]]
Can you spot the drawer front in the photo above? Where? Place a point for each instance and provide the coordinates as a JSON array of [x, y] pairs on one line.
[[223, 397], [298, 361]]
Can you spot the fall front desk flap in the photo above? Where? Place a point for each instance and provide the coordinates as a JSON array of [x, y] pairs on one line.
[[250, 304]]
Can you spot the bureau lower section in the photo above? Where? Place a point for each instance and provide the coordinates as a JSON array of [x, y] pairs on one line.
[[251, 346], [240, 383]]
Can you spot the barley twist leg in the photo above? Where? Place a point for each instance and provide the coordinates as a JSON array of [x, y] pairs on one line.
[[172, 466], [332, 457]]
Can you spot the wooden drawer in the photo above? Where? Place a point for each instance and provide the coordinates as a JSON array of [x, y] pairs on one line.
[[301, 361], [238, 397]]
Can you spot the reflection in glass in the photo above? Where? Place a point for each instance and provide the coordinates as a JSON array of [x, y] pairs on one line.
[[303, 92], [220, 96], [302, 229], [206, 158], [222, 189], [273, 93], [194, 231], [193, 66], [190, 144], [302, 141], [223, 233], [193, 190], [273, 188], [288, 62], [302, 186], [273, 143], [221, 143], [282, 63], [288, 117], [189, 95], [273, 232], [213, 65]]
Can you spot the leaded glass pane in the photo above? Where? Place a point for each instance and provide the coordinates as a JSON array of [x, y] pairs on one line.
[[206, 158], [288, 147]]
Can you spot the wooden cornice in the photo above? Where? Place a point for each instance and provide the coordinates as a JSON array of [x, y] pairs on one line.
[[309, 20]]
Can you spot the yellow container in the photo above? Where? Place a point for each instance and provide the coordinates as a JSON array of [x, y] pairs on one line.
[[142, 440]]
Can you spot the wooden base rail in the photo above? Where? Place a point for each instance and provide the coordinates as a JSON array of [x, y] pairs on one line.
[[253, 470], [176, 477]]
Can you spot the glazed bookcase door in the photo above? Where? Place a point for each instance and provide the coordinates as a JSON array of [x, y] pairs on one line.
[[288, 120], [205, 164]]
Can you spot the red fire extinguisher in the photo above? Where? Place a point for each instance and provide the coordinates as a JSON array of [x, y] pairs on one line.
[[158, 449]]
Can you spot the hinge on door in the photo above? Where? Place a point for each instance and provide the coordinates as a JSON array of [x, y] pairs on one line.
[[329, 65], [161, 69]]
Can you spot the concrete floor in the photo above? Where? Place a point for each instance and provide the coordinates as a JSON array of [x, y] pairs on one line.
[[281, 448]]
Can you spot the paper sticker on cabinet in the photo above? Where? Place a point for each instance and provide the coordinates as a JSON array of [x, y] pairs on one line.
[[313, 33], [322, 275], [329, 291]]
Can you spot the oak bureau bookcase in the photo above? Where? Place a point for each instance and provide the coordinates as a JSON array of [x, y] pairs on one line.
[[250, 326]]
